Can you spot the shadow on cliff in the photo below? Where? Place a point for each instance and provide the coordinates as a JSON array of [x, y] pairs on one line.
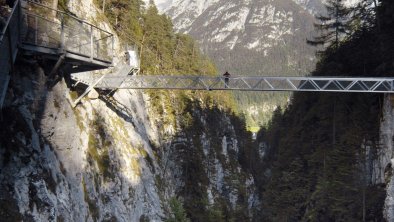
[[321, 151], [209, 136], [20, 141], [24, 140]]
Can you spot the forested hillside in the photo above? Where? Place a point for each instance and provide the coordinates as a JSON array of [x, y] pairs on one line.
[[162, 50], [252, 38], [212, 186], [319, 150]]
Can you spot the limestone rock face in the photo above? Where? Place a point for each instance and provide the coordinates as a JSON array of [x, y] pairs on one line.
[[379, 164], [383, 165], [93, 94], [105, 159], [108, 159]]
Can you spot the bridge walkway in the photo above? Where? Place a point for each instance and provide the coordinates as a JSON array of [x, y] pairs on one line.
[[242, 83], [34, 29]]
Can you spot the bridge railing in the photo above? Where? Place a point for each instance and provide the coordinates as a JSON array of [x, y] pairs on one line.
[[54, 29], [315, 84]]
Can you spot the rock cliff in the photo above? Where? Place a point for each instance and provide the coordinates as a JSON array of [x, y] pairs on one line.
[[114, 158]]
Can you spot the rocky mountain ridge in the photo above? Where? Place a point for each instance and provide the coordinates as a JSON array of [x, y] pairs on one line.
[[255, 25], [252, 38]]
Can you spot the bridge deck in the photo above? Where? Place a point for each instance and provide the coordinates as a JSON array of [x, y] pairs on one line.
[[316, 84]]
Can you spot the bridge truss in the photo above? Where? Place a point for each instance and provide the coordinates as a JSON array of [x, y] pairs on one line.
[[314, 84]]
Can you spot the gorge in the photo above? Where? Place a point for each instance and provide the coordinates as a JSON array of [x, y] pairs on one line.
[[188, 156]]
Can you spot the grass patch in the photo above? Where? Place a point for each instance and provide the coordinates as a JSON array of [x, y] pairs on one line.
[[253, 129], [79, 119], [100, 156], [98, 149], [73, 95]]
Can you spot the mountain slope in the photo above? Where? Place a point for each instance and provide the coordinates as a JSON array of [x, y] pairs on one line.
[[252, 38], [257, 26], [326, 152]]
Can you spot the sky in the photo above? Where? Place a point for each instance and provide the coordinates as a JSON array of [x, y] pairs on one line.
[[161, 4]]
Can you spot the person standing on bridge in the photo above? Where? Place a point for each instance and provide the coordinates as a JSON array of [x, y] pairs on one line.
[[226, 76]]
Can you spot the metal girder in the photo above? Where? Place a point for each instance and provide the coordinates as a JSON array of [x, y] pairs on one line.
[[315, 84]]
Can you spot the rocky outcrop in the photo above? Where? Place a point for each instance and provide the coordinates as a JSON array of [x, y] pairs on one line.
[[383, 170], [112, 158]]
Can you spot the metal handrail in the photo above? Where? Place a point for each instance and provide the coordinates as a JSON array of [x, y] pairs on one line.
[[65, 27], [244, 83], [69, 15]]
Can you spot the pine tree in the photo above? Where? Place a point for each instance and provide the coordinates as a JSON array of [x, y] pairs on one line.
[[333, 26], [178, 213], [365, 15]]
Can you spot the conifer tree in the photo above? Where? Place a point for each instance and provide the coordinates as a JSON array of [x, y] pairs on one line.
[[333, 26], [365, 15]]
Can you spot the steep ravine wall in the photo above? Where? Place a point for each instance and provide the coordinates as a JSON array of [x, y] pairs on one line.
[[109, 159], [383, 170], [99, 162], [379, 162], [72, 165]]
